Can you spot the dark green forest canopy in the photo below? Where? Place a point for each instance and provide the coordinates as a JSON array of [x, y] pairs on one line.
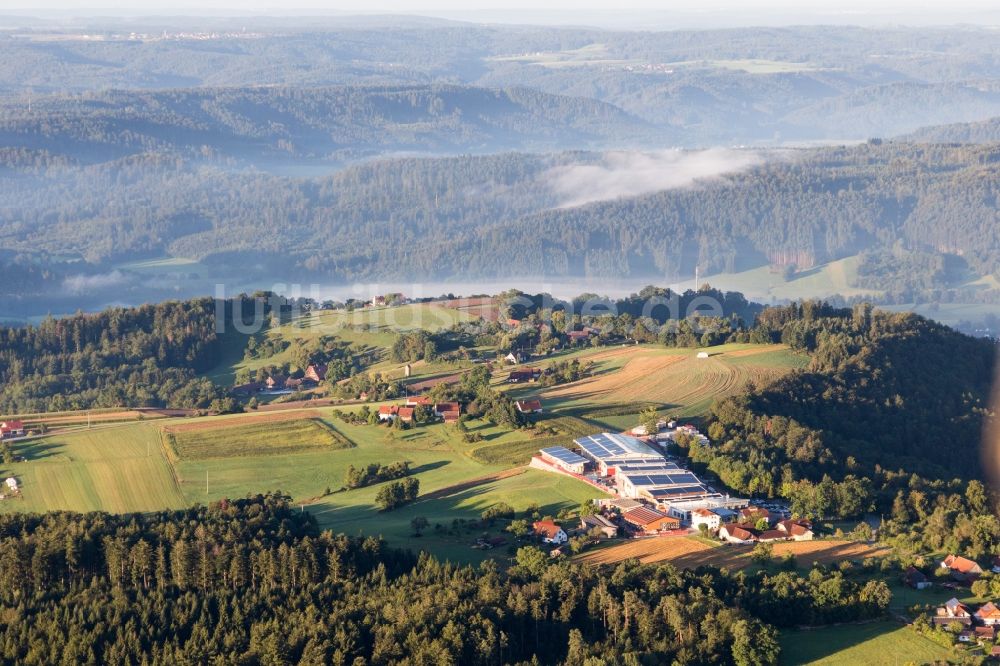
[[253, 581], [928, 212], [888, 402]]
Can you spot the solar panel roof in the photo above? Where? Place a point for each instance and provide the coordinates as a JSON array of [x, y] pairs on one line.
[[563, 454], [608, 445], [678, 491], [659, 479]]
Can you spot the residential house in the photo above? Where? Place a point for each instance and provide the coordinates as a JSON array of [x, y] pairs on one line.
[[988, 633], [916, 579], [532, 406], [549, 532], [388, 412], [316, 372], [737, 534], [650, 521], [442, 408], [599, 522], [11, 429], [579, 336], [526, 375], [953, 611], [962, 569], [797, 530], [406, 414], [712, 521], [772, 535], [414, 400], [988, 614]]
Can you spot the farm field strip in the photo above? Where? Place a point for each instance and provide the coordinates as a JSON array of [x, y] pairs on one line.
[[686, 552], [268, 438]]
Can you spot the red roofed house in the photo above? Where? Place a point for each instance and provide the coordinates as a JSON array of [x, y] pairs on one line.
[[549, 532], [527, 375], [752, 514], [650, 521], [406, 414], [414, 400], [533, 406], [11, 429], [316, 373], [736, 534], [388, 412], [772, 535], [953, 611], [798, 530], [988, 614], [962, 569], [442, 408]]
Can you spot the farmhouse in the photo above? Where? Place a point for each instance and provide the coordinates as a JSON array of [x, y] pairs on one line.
[[388, 412], [599, 522], [754, 514], [563, 458], [797, 530], [11, 429], [916, 579], [549, 532], [442, 408], [405, 414], [650, 521], [988, 614], [737, 534], [526, 375], [531, 406], [962, 569], [316, 373], [953, 611], [414, 400]]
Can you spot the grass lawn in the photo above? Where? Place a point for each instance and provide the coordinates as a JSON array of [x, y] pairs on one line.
[[262, 439], [353, 512], [110, 468], [870, 644]]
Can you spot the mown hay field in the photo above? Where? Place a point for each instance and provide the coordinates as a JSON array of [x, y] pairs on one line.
[[687, 552], [674, 378], [265, 438]]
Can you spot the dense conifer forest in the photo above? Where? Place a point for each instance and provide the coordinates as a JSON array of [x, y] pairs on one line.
[[253, 581]]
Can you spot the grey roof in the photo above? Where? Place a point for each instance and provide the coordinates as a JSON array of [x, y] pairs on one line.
[[564, 455], [662, 479], [609, 445]]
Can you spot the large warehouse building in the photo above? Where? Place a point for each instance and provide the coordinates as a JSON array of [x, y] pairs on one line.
[[609, 451]]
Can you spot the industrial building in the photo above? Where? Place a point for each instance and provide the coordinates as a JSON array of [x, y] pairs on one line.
[[563, 458], [610, 450]]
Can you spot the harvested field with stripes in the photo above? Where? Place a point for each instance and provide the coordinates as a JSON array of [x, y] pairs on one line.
[[687, 552], [675, 378]]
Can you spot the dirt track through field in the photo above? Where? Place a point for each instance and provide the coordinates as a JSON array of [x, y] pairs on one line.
[[690, 553], [222, 424]]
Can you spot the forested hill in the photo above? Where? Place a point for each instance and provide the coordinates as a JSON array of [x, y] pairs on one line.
[[924, 216], [298, 125], [984, 131], [889, 402]]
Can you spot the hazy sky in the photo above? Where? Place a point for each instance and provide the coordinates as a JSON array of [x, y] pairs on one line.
[[650, 14]]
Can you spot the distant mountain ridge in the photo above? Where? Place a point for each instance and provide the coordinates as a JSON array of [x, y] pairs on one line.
[[323, 124], [983, 131]]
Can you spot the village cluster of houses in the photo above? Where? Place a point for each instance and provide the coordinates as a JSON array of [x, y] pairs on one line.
[[311, 378], [748, 527], [449, 412], [978, 624], [11, 429]]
